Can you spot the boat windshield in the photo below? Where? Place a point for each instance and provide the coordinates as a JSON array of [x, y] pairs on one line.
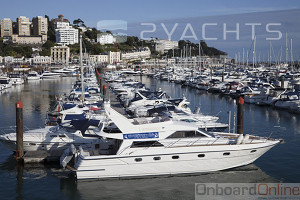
[[203, 132]]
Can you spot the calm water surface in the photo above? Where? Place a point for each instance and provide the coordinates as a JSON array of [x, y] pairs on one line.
[[50, 182]]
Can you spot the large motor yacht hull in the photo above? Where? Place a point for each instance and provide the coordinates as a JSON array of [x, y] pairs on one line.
[[173, 161]]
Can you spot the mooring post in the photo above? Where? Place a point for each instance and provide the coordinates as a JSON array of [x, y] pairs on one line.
[[240, 115], [104, 90], [19, 123], [222, 76], [101, 89], [282, 82]]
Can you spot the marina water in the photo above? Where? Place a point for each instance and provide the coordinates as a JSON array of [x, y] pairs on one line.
[[280, 164]]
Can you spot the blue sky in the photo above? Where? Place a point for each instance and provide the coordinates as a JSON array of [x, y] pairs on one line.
[[92, 11], [196, 12]]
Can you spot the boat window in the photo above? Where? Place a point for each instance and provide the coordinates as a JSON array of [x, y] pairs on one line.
[[252, 151], [226, 154], [146, 144], [156, 158], [184, 134], [188, 120], [138, 159], [201, 155], [175, 157], [53, 135]]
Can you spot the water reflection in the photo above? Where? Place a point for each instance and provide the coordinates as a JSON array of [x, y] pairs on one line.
[[39, 181], [176, 187]]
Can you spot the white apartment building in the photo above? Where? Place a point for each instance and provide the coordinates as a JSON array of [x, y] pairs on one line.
[[67, 36], [61, 24], [40, 25], [60, 54], [41, 60], [106, 38], [114, 57], [1, 59], [6, 27], [164, 45], [141, 53], [102, 58], [23, 26]]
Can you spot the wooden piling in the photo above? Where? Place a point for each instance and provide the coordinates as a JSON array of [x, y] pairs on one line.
[[282, 82], [222, 76], [104, 90], [240, 115], [101, 89], [19, 130]]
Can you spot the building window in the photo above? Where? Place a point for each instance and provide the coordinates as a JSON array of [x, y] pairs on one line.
[[175, 157], [252, 151], [226, 154], [138, 159]]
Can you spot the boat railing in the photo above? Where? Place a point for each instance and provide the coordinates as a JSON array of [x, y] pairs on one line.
[[194, 142]]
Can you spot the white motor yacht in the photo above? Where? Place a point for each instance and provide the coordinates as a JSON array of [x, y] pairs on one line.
[[16, 79], [50, 75], [165, 148], [54, 137], [33, 76], [5, 82]]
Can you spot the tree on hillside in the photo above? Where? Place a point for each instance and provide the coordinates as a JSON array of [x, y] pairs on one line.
[[51, 31], [78, 22], [46, 51], [92, 34]]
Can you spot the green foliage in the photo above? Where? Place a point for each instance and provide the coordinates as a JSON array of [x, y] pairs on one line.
[[51, 30], [78, 22], [46, 50], [14, 50], [92, 34]]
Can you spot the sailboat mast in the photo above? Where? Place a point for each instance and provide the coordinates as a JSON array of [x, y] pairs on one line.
[[243, 57], [247, 58], [292, 59], [254, 55], [200, 57], [270, 54], [81, 68], [286, 49]]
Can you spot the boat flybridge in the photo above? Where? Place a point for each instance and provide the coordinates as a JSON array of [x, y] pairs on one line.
[[164, 147]]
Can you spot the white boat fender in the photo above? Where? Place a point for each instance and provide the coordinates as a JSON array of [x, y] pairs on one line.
[[246, 139], [240, 139]]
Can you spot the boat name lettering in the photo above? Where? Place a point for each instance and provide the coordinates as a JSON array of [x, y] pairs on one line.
[[141, 135]]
